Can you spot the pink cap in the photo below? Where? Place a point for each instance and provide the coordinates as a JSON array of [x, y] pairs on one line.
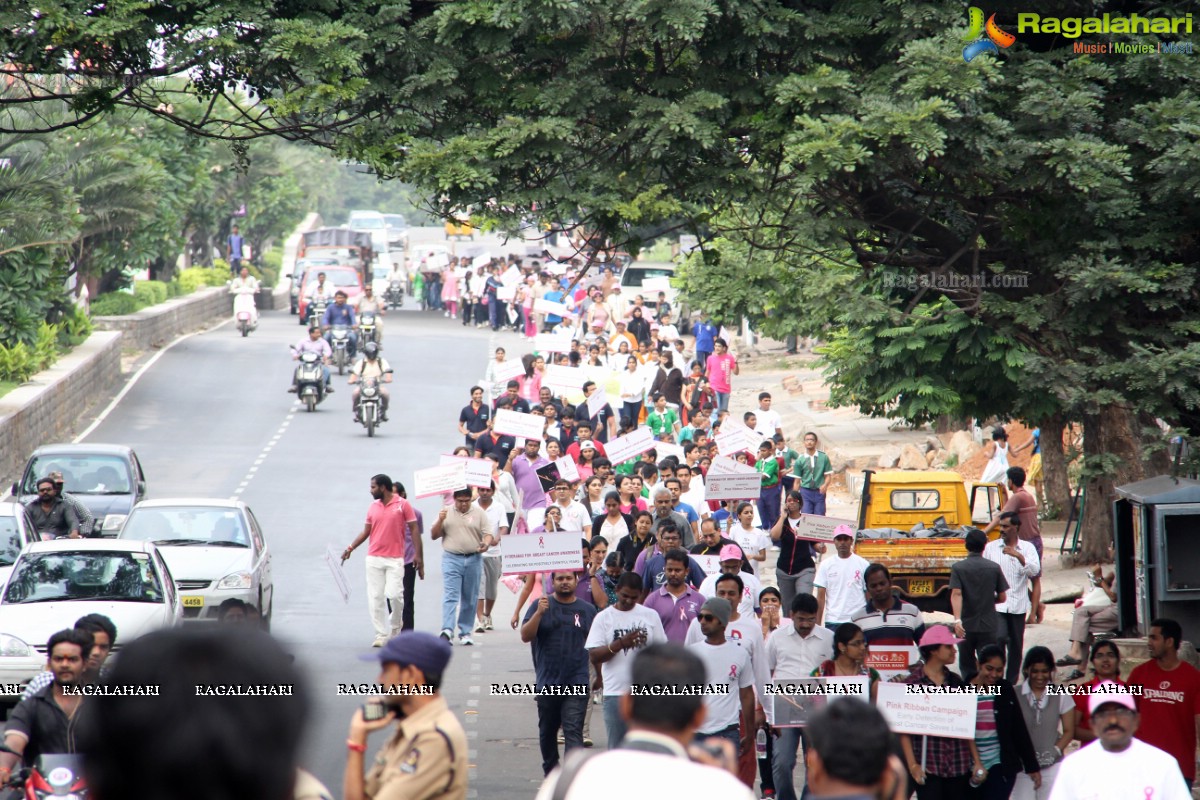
[[1106, 692], [843, 530], [730, 552], [936, 635]]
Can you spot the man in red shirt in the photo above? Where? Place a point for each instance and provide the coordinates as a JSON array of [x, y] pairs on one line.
[[1024, 504], [1170, 699], [389, 520]]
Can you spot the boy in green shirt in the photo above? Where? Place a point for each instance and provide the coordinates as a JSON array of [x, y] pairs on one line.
[[768, 495], [663, 422]]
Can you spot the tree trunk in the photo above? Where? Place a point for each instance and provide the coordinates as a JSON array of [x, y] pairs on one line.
[[946, 423], [1112, 452], [1055, 485]]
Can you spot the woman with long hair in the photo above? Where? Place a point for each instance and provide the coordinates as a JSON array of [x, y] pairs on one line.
[[633, 390], [1002, 743], [849, 657], [612, 524], [752, 540], [940, 766], [1050, 719], [997, 452], [1106, 666], [530, 384], [630, 489], [593, 490]]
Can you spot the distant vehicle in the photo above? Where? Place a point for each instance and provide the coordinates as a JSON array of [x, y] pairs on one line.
[[459, 226], [347, 279], [397, 232], [16, 533], [350, 247], [648, 279], [373, 223], [107, 478], [214, 548], [55, 583], [297, 275]]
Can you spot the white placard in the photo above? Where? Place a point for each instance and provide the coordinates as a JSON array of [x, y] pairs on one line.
[[514, 423], [439, 480], [564, 380], [479, 470], [438, 261], [710, 564], [334, 559], [948, 715], [733, 441], [554, 267], [890, 661], [567, 469], [734, 486], [727, 466], [793, 708], [552, 342], [596, 402], [664, 449], [820, 529], [655, 285], [506, 294], [481, 260], [506, 371], [626, 447], [511, 276], [551, 308], [541, 552]]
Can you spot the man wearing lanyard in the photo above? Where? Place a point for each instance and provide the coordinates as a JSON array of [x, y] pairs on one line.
[[815, 473]]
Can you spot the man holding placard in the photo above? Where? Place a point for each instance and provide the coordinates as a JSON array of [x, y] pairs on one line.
[[465, 532], [524, 471], [840, 581]]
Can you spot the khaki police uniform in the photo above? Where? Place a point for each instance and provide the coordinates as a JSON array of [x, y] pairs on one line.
[[425, 760]]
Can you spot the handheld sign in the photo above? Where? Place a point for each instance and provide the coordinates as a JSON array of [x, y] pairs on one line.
[[551, 308], [563, 380], [506, 294], [727, 466], [596, 402], [735, 486], [440, 480], [479, 470], [567, 469], [626, 447], [506, 371], [334, 559], [797, 700], [948, 715], [820, 529], [552, 343], [541, 552], [514, 423]]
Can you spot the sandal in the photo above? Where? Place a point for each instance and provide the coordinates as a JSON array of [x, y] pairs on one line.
[[1074, 675], [1067, 661]]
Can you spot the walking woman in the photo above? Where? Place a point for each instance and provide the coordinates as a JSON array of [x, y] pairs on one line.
[[946, 772], [1106, 666], [795, 569], [1050, 719], [633, 391], [1002, 743], [849, 657]]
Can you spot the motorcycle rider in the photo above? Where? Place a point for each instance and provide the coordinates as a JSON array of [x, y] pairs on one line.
[[87, 522], [245, 285], [341, 313], [50, 514], [371, 365], [368, 303], [318, 291], [315, 344]]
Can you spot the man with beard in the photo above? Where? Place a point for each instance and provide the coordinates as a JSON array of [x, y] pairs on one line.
[[427, 756], [46, 722]]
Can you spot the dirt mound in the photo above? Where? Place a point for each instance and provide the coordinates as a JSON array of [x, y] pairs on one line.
[[1018, 435]]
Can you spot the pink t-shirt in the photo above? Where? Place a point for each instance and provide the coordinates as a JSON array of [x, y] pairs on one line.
[[389, 527], [720, 372]]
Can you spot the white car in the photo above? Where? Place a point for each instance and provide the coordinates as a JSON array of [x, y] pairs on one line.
[[373, 223], [16, 533], [56, 582], [214, 548]]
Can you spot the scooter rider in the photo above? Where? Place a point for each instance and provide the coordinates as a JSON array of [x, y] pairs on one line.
[[245, 285], [318, 291], [340, 313], [371, 365], [313, 343], [368, 303]]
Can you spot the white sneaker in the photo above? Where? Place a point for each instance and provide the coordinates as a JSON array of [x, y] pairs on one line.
[[379, 642], [465, 640], [448, 635], [479, 628], [487, 622]]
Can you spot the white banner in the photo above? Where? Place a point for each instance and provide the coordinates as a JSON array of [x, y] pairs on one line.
[[797, 700], [710, 564], [734, 441], [735, 486], [567, 469], [439, 480], [334, 559], [948, 715], [820, 529], [563, 380], [511, 276], [438, 261], [551, 308], [541, 552], [514, 423], [626, 447], [664, 449], [727, 466], [891, 661], [596, 402], [506, 294], [506, 371], [552, 342], [481, 260], [479, 470]]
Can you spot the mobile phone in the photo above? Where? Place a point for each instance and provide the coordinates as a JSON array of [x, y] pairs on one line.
[[373, 710]]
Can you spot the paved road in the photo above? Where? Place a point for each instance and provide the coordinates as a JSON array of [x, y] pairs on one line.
[[212, 418]]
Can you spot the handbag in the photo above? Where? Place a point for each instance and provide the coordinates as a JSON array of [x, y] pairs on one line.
[[1096, 598]]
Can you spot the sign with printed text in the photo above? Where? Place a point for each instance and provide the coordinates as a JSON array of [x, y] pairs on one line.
[[664, 449], [710, 564], [629, 446], [820, 529], [481, 260], [948, 715], [552, 342], [567, 469], [541, 552], [564, 380], [479, 470], [439, 480], [727, 466], [891, 661], [551, 308], [596, 402], [514, 423], [797, 700], [506, 371], [734, 486], [506, 294], [438, 261], [334, 560], [735, 440]]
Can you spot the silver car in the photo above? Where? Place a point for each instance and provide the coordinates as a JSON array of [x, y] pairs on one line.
[[215, 551]]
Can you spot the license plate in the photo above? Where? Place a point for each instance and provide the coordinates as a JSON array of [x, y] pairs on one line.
[[920, 586], [192, 602]]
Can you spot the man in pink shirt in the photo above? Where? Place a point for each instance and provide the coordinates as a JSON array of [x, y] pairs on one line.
[[390, 521], [720, 369]]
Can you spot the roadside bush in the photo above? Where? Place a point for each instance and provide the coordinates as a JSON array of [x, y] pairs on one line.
[[74, 329], [194, 278], [16, 363], [114, 304], [149, 293]]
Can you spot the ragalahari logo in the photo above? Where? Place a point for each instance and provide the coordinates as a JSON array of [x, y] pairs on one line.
[[981, 37]]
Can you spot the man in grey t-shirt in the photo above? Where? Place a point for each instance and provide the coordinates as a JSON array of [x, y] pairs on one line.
[[976, 586]]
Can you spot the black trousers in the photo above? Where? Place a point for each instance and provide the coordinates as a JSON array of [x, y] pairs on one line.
[[973, 642], [938, 788], [556, 712], [410, 585], [1011, 635]]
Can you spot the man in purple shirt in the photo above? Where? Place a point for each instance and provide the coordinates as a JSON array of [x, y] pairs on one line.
[[651, 564], [524, 471], [676, 603], [412, 568]]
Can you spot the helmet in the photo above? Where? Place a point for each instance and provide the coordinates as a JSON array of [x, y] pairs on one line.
[[370, 350]]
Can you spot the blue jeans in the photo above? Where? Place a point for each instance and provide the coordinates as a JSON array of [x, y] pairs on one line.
[[554, 713], [494, 317], [613, 724], [768, 506], [733, 734], [783, 763], [722, 401], [353, 338], [813, 502], [460, 590]]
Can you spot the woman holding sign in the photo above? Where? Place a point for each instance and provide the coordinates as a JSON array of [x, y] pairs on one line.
[[1002, 743], [940, 766], [849, 657]]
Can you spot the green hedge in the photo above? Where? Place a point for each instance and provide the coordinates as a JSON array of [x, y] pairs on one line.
[[19, 362], [194, 278], [114, 304], [150, 293]]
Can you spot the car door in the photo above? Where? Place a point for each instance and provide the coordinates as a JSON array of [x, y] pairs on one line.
[[262, 565], [139, 478], [175, 609]]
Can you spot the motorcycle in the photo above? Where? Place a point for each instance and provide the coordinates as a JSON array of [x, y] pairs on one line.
[[368, 330], [310, 380], [340, 340], [243, 311], [370, 405], [316, 310], [52, 775], [394, 295]]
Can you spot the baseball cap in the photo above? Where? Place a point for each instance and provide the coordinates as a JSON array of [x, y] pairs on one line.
[[1106, 692], [719, 607], [419, 649], [586, 444], [937, 635], [843, 530], [730, 552]]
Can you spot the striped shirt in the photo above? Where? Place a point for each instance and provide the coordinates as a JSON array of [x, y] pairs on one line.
[[987, 738], [1017, 575], [899, 626]]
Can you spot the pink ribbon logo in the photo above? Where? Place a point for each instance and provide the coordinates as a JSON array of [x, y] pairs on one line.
[[577, 625], [733, 670], [1149, 792], [541, 541]]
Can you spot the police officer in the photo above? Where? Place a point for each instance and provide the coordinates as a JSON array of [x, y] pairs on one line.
[[426, 759]]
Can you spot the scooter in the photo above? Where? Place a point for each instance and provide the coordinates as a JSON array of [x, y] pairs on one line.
[[368, 330], [340, 340], [370, 405], [394, 296], [310, 380], [315, 311], [52, 775], [243, 311]]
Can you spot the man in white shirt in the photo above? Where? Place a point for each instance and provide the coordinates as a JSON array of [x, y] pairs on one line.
[[489, 579], [793, 652], [841, 582], [731, 564], [1117, 765], [574, 516], [1018, 560], [617, 633], [730, 712], [767, 420]]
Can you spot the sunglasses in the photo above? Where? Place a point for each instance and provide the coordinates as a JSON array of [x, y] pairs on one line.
[[706, 617]]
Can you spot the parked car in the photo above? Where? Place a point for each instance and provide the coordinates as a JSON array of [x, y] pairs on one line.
[[347, 279], [648, 279], [397, 232], [297, 275], [107, 478], [55, 583], [214, 548], [16, 533]]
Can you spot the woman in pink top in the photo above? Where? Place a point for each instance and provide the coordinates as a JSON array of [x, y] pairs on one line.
[[527, 308], [450, 291], [530, 384], [598, 313]]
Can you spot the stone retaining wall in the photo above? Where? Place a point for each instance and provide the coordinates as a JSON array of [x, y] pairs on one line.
[[158, 325]]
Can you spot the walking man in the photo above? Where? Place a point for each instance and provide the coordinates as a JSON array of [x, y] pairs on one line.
[[1170, 697], [977, 586], [465, 532], [727, 663], [841, 582], [1019, 562], [390, 522], [814, 472]]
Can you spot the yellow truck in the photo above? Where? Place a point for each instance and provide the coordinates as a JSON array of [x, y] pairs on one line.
[[914, 522]]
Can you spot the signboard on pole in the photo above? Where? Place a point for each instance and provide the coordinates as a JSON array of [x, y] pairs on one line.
[[541, 552], [948, 715]]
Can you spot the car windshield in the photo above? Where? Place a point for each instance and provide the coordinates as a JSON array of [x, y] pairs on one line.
[[342, 277], [10, 541], [84, 575], [395, 221], [366, 223], [90, 474], [304, 263], [636, 276], [220, 527]]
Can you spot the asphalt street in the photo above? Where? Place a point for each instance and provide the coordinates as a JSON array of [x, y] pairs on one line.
[[212, 418]]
